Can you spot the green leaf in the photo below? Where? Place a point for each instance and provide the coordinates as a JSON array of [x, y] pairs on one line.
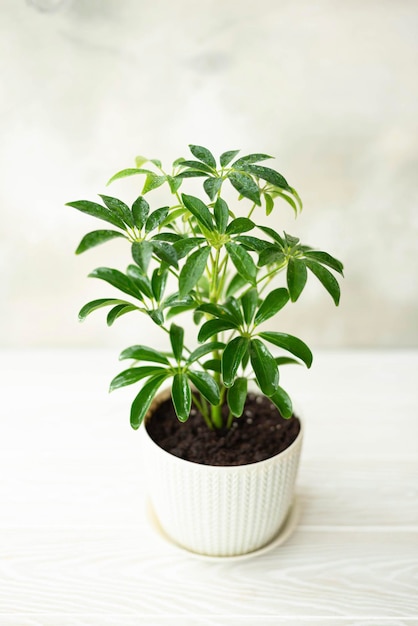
[[270, 255], [141, 281], [95, 238], [222, 312], [118, 311], [231, 359], [118, 280], [140, 210], [133, 375], [296, 277], [97, 210], [212, 364], [130, 171], [252, 243], [283, 402], [197, 165], [182, 396], [269, 203], [325, 259], [184, 246], [272, 233], [98, 304], [158, 283], [245, 185], [199, 210], [190, 174], [206, 385], [193, 269], [285, 360], [119, 208], [273, 302], [221, 213], [156, 162], [212, 346], [326, 278], [153, 181], [267, 174], [236, 396], [140, 160], [143, 353], [250, 158], [249, 302], [174, 183], [242, 261], [239, 225], [142, 254], [176, 310], [212, 186], [203, 154], [232, 306], [176, 340], [155, 219], [226, 157], [237, 282], [143, 400], [264, 366], [289, 200], [213, 327], [157, 316], [166, 252], [291, 344], [167, 236]]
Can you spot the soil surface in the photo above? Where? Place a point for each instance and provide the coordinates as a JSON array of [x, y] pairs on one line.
[[260, 433]]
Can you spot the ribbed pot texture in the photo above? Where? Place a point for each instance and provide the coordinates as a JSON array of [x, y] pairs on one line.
[[220, 511]]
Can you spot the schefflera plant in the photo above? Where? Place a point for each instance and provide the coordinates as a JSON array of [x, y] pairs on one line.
[[222, 265]]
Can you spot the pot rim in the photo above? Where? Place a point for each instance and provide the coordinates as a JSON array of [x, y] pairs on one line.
[[165, 394]]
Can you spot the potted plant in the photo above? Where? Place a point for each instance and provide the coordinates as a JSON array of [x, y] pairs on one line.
[[221, 457]]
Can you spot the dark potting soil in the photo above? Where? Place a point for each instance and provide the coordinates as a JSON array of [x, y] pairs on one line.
[[260, 433]]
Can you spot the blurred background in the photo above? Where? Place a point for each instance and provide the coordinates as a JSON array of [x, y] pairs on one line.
[[327, 87]]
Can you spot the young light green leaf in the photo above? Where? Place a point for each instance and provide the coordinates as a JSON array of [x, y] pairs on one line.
[[133, 375], [249, 302], [283, 402], [193, 269], [153, 181], [118, 311], [231, 359], [296, 277], [272, 303], [97, 210], [140, 210], [143, 400], [199, 210], [236, 396], [129, 171], [221, 213], [269, 203], [206, 385], [326, 278], [142, 254], [176, 340], [95, 238], [242, 261], [155, 219], [143, 353], [203, 154], [245, 185], [118, 280], [118, 208], [325, 259], [239, 225], [174, 183], [226, 157], [182, 396], [291, 344], [98, 304], [213, 327], [212, 186], [264, 366], [212, 346]]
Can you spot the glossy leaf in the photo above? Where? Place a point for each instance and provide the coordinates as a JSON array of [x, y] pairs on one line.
[[118, 311], [176, 340], [232, 357], [155, 219], [166, 252], [153, 181], [264, 366], [243, 262], [98, 304], [117, 279], [267, 174], [269, 203], [252, 243], [289, 200], [273, 302], [140, 211], [283, 402], [236, 396], [190, 174], [203, 154], [213, 364], [143, 400], [182, 396], [272, 233], [296, 277], [141, 281], [232, 306], [326, 278], [142, 254], [186, 245], [212, 186], [157, 316], [222, 312], [205, 349], [270, 255], [197, 165], [193, 269], [237, 282], [239, 225], [199, 210], [95, 238], [129, 171], [206, 385], [119, 208], [213, 327], [97, 210], [221, 213], [143, 353], [174, 183], [158, 283], [245, 185], [290, 343], [226, 157], [325, 259], [249, 302], [251, 158], [133, 375]]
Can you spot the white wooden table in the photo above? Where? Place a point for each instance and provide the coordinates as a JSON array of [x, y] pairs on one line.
[[76, 547]]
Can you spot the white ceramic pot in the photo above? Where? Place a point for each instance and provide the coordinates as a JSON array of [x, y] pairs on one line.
[[219, 510]]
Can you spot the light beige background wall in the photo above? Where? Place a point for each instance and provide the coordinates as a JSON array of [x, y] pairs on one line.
[[329, 87]]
